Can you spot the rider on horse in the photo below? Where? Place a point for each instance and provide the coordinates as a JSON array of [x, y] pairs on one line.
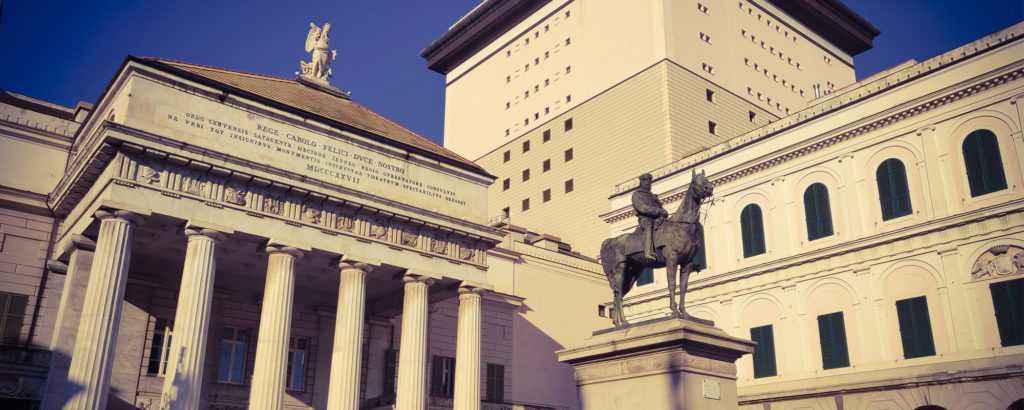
[[649, 212]]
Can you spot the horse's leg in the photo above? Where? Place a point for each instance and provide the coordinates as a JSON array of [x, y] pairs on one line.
[[618, 289], [671, 264], [684, 278]]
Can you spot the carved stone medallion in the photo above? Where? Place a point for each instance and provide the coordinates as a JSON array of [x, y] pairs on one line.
[[234, 193], [999, 260], [438, 244], [310, 213], [346, 222], [410, 236], [379, 229]]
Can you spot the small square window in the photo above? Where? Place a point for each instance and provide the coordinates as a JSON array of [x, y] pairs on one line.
[[547, 110], [568, 155], [568, 98], [526, 204], [536, 61], [536, 34], [508, 105], [568, 69], [546, 27], [712, 127], [546, 55], [568, 186], [506, 132], [527, 42], [526, 121], [568, 41], [546, 165], [506, 184], [506, 212], [567, 14], [710, 95], [508, 53], [753, 116], [526, 175], [546, 82], [526, 146], [536, 87], [526, 67], [547, 136], [526, 94], [508, 78], [546, 195], [508, 156], [568, 124]]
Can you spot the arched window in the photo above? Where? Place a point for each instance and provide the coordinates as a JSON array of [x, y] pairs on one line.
[[984, 166], [892, 189], [752, 229], [817, 211]]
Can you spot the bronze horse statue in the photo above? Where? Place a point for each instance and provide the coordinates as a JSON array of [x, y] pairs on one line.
[[676, 242]]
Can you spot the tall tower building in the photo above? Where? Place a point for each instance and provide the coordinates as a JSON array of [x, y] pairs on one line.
[[563, 99]]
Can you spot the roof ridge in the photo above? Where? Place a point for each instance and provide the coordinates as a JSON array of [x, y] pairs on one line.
[[167, 60]]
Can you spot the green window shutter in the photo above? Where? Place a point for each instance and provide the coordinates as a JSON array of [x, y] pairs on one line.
[[832, 334], [764, 353], [1008, 301], [752, 230], [817, 211], [983, 163], [883, 176], [915, 327], [647, 276], [900, 190]]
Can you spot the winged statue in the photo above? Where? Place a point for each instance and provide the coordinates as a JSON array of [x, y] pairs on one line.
[[318, 42]]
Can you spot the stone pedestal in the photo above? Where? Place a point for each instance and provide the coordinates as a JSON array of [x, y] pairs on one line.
[[662, 364]]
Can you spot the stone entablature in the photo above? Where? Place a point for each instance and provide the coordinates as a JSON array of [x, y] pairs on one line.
[[175, 177]]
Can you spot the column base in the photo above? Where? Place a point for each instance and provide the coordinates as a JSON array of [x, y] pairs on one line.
[[666, 364]]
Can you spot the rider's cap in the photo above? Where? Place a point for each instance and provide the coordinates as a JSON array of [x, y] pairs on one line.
[[646, 176]]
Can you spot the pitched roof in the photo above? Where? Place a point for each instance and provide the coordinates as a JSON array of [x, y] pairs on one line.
[[330, 106]]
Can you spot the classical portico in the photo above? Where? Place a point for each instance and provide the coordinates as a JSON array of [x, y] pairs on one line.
[[240, 249]]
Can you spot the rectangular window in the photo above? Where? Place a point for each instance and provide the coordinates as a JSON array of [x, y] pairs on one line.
[[568, 41], [568, 155], [752, 115], [1008, 301], [646, 276], [546, 195], [712, 127], [832, 335], [298, 350], [12, 313], [547, 134], [568, 124], [526, 175], [507, 156], [546, 165], [391, 370], [568, 186], [915, 327], [442, 379], [568, 69], [495, 383], [764, 353], [568, 98], [232, 355], [526, 204], [506, 184], [160, 349], [710, 95], [506, 212], [526, 146]]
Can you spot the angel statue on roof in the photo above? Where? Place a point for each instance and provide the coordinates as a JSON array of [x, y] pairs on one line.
[[319, 43]]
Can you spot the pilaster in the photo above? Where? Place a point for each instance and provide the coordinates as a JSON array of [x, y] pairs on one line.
[[962, 324], [935, 174], [101, 311]]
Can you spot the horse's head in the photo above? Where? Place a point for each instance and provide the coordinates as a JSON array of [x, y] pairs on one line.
[[702, 188]]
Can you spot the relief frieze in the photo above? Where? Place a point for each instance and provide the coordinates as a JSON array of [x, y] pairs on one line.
[[260, 200]]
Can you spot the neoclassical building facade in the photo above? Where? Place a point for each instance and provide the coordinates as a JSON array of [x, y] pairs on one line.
[[872, 243]]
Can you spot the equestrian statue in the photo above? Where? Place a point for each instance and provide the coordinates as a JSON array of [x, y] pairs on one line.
[[661, 241]]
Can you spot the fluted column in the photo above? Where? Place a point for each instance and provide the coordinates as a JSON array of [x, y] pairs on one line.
[[184, 379], [89, 376], [343, 392], [412, 356], [268, 381], [467, 349], [62, 343]]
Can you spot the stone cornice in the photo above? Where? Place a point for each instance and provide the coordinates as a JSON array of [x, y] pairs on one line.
[[806, 149]]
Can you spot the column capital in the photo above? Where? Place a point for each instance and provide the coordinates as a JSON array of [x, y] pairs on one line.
[[82, 242], [132, 217], [362, 264], [57, 266], [468, 288], [275, 247], [215, 231], [927, 129], [217, 236], [410, 277]]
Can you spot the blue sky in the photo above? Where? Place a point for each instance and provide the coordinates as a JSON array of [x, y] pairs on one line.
[[65, 52]]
